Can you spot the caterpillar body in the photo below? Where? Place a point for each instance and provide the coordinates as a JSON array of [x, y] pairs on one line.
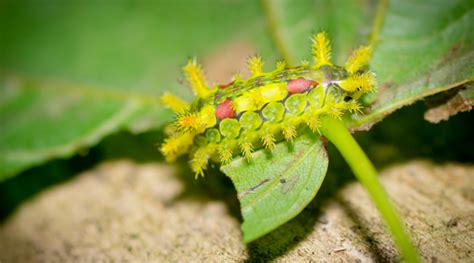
[[247, 114]]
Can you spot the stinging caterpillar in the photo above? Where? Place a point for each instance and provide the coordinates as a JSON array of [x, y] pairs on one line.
[[250, 113]]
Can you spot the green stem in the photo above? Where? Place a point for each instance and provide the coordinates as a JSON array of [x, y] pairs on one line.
[[336, 132], [277, 35]]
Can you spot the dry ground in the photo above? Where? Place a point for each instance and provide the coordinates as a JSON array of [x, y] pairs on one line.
[[123, 211]]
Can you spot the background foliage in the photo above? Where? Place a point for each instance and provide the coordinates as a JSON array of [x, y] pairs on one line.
[[76, 75]]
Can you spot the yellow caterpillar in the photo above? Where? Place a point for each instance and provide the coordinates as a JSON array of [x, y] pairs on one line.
[[250, 113]]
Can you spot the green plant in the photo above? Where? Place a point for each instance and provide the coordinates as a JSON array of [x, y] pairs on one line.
[[64, 87]]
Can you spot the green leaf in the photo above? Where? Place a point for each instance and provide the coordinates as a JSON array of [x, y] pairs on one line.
[[293, 22], [71, 74], [46, 120], [274, 187], [424, 47]]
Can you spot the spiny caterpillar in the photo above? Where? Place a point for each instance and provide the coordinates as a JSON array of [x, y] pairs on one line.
[[249, 113]]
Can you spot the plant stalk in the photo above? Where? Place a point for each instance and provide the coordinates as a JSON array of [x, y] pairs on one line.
[[336, 132]]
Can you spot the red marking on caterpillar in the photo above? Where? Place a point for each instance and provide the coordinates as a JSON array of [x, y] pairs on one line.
[[300, 85], [225, 110], [223, 86]]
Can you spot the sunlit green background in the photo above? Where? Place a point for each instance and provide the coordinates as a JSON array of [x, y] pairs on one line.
[[80, 80]]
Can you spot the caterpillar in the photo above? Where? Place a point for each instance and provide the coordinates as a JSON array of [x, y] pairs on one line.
[[265, 108]]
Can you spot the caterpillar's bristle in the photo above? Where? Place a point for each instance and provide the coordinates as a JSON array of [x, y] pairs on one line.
[[199, 161], [171, 129], [289, 132], [246, 148], [305, 62], [173, 147], [364, 82], [195, 76], [174, 103], [280, 65], [256, 65], [368, 81], [313, 124], [237, 77], [358, 59], [225, 154], [337, 110], [188, 121], [268, 140], [354, 106], [321, 49]]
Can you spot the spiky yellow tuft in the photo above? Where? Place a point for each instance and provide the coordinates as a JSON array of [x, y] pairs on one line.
[[358, 59], [173, 147], [280, 65], [199, 161], [237, 77], [354, 106], [174, 103], [321, 49], [256, 65], [195, 76], [364, 82], [313, 123], [188, 122], [289, 132], [336, 110], [268, 140], [225, 154], [246, 148], [305, 62]]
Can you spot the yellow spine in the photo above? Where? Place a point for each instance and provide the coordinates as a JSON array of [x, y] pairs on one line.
[[321, 49], [358, 59], [256, 65], [195, 76], [174, 103], [246, 148]]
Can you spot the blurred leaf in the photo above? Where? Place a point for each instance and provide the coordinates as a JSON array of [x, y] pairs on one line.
[[74, 72], [425, 47], [41, 120], [275, 187], [292, 23]]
